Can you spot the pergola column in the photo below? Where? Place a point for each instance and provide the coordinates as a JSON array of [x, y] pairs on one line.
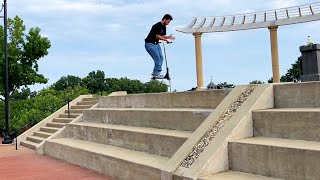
[[198, 48], [274, 53]]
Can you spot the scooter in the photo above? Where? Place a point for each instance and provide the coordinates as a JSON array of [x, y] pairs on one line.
[[167, 76]]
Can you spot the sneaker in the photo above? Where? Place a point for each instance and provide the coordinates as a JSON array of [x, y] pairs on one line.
[[159, 76]]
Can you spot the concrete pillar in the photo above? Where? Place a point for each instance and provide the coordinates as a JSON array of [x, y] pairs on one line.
[[274, 53], [199, 61]]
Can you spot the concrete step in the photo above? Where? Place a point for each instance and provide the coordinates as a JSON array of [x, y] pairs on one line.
[[160, 142], [72, 115], [56, 125], [280, 158], [176, 119], [197, 99], [42, 134], [234, 175], [62, 120], [81, 106], [89, 103], [29, 144], [118, 162], [75, 111], [49, 129], [90, 99], [36, 139], [294, 123], [297, 95]]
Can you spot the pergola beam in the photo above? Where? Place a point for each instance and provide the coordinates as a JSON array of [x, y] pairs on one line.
[[266, 19], [279, 17]]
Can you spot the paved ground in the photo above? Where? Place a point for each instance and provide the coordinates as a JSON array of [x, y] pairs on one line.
[[24, 164]]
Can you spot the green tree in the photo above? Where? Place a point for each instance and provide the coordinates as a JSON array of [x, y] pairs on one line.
[[256, 82], [24, 51], [24, 93], [155, 86], [131, 86], [223, 85], [95, 82], [112, 85], [293, 74], [66, 81], [28, 112], [134, 86]]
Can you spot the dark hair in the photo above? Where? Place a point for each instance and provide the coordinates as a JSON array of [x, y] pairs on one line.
[[167, 16]]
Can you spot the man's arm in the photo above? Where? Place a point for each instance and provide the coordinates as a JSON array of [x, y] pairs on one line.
[[165, 38], [170, 37]]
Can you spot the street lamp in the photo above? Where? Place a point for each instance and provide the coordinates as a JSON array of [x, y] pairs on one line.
[[7, 139]]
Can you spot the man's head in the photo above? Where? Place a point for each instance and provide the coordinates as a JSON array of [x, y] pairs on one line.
[[167, 19]]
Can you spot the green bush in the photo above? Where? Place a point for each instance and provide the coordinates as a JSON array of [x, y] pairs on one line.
[[28, 112]]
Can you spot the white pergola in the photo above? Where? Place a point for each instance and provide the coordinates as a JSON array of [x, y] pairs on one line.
[[270, 19]]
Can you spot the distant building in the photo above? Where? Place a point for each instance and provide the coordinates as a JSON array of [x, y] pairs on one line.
[[211, 85]]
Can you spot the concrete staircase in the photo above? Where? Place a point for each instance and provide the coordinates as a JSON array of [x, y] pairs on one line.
[[286, 139], [134, 136], [32, 141]]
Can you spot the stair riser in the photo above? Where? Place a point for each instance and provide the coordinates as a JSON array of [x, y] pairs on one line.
[[297, 95], [153, 144], [80, 107], [55, 125], [116, 168], [91, 103], [48, 130], [28, 145], [76, 111], [66, 116], [279, 162], [62, 120], [90, 99], [34, 140], [288, 125], [185, 121], [41, 135], [197, 99]]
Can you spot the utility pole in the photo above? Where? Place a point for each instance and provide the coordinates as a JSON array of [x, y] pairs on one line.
[[7, 139]]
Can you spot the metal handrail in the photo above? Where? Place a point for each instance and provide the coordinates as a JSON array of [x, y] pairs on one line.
[[68, 98]]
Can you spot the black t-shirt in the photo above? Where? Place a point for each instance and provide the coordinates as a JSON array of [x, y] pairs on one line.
[[157, 29]]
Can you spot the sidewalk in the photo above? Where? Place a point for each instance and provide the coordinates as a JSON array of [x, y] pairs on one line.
[[25, 164]]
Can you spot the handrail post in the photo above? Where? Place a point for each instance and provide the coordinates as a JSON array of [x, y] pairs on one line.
[[68, 107]]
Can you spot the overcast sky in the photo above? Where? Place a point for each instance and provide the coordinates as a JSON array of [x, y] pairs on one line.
[[108, 35]]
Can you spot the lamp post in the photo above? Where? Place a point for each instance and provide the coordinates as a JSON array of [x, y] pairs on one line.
[[7, 139]]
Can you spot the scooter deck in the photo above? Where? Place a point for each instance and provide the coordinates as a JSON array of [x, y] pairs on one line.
[[154, 78]]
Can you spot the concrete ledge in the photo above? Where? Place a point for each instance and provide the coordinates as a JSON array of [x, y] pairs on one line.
[[110, 160], [298, 95], [294, 123], [154, 141], [175, 119], [281, 158], [197, 99], [214, 158], [118, 93], [234, 175], [183, 152]]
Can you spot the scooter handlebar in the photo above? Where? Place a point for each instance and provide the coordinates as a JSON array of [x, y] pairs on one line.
[[170, 42]]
